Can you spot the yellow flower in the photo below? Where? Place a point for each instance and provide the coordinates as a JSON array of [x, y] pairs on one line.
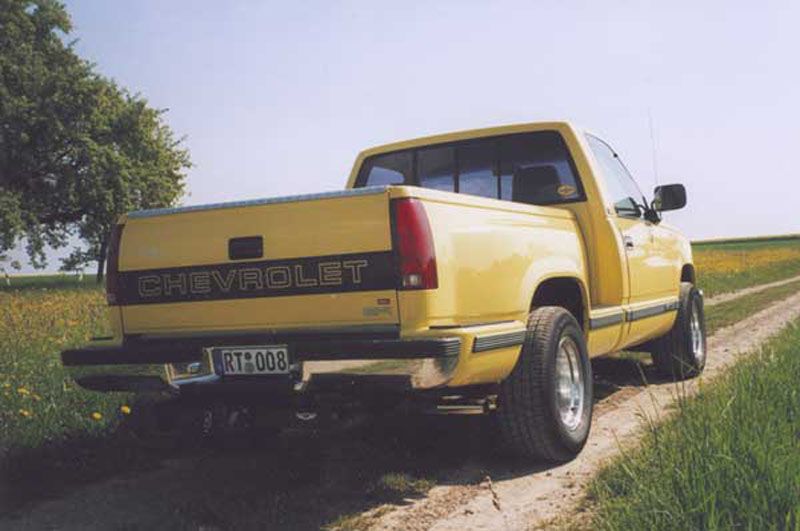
[[23, 391], [126, 410], [36, 397], [25, 413], [97, 416], [6, 385]]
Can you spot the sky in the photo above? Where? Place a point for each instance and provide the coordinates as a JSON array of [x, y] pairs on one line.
[[277, 98]]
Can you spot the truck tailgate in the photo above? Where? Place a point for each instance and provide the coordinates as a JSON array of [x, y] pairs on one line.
[[325, 260]]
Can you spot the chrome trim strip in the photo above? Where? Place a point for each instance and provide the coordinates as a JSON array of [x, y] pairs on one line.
[[651, 311], [607, 320], [632, 315], [369, 190], [496, 341], [476, 325]]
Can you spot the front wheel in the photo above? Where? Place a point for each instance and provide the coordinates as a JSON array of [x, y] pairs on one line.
[[681, 352], [544, 407]]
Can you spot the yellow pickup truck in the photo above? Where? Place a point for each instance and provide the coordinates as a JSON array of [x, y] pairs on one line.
[[480, 267]]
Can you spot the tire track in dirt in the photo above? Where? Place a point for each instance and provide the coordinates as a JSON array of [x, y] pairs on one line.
[[533, 500], [733, 295]]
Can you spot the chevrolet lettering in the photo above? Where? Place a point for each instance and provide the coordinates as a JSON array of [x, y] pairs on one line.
[[481, 269], [357, 272]]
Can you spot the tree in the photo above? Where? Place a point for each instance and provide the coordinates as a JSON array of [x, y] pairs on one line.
[[136, 163], [76, 150], [14, 264]]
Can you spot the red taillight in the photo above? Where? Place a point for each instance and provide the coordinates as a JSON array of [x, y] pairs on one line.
[[413, 245], [112, 265]]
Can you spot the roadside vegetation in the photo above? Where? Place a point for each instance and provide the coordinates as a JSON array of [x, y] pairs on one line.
[[38, 401], [40, 282], [733, 311], [730, 458], [40, 408], [730, 265]]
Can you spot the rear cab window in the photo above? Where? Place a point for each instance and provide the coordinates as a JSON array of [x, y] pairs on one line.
[[534, 168]]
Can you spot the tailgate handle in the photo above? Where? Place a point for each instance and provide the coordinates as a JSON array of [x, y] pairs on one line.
[[246, 247]]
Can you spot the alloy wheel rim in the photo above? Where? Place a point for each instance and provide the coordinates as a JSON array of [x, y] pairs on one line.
[[697, 335], [570, 384]]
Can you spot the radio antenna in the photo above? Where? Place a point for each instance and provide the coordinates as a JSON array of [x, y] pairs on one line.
[[653, 143]]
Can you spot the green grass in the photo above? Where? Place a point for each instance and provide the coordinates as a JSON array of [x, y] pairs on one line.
[[55, 281], [733, 311], [49, 427], [729, 459], [39, 402]]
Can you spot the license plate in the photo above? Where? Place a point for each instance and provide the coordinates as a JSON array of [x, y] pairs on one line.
[[253, 360]]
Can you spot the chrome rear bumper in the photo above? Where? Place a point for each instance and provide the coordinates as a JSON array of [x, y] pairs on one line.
[[174, 365]]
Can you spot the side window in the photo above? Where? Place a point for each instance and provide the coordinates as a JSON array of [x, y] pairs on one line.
[[625, 194], [536, 168], [476, 163], [436, 168], [392, 168]]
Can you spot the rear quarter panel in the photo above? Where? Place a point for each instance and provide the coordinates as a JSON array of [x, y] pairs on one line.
[[491, 255]]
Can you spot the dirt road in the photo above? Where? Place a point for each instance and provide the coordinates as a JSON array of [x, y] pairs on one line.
[[532, 500], [733, 295], [303, 481]]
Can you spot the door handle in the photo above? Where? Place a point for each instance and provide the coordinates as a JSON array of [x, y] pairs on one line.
[[628, 242]]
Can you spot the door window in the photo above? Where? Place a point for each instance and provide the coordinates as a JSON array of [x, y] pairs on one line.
[[626, 196]]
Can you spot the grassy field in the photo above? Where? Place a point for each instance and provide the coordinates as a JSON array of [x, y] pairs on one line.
[[730, 265], [41, 410], [55, 281], [37, 400], [729, 460]]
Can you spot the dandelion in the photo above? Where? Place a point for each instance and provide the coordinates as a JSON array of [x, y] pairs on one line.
[[97, 416], [125, 409], [36, 397], [25, 413], [23, 391], [6, 385]]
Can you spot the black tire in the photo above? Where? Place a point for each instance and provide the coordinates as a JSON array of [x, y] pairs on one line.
[[527, 403], [678, 354]]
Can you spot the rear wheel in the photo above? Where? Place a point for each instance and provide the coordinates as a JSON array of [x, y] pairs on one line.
[[544, 407], [681, 353]]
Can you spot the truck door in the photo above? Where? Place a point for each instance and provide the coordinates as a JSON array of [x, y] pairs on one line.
[[649, 273]]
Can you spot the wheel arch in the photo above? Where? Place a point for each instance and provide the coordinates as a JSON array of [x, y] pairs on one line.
[[568, 292], [688, 273]]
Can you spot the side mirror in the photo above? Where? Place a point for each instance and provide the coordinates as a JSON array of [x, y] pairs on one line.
[[669, 197]]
